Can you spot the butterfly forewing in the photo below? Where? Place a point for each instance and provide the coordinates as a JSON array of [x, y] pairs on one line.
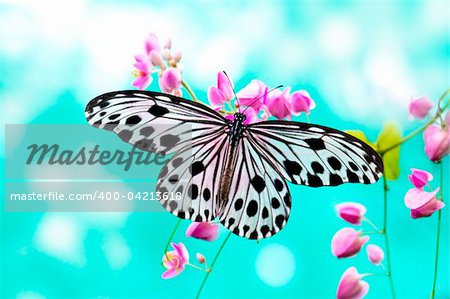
[[315, 155], [153, 121]]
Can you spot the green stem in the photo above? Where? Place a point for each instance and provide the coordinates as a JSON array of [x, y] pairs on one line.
[[171, 237], [420, 129], [386, 239], [372, 232], [212, 265], [373, 225], [189, 90], [197, 267], [436, 260]]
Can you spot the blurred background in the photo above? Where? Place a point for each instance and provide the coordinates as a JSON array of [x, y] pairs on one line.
[[361, 61]]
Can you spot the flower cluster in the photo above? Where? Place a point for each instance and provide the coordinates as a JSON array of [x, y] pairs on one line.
[[176, 260], [161, 60], [347, 242], [421, 202], [256, 101], [437, 135]]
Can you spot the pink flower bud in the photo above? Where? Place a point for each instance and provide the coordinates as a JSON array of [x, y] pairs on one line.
[[203, 230], [177, 56], [201, 258], [375, 254], [347, 242], [170, 80], [422, 203], [225, 86], [419, 178], [168, 43], [419, 107], [437, 142], [351, 286], [156, 59], [151, 43], [166, 54], [279, 104], [301, 102], [351, 212]]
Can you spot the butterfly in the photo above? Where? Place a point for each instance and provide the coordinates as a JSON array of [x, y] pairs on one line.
[[229, 170]]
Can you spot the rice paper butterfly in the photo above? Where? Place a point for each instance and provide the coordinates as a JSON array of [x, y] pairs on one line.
[[227, 169]]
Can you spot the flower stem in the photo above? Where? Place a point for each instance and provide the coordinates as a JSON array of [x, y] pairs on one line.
[[212, 265], [386, 239], [171, 237], [197, 267], [436, 260], [372, 232], [377, 230], [189, 90]]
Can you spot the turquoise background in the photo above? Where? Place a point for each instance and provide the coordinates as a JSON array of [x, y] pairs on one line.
[[360, 61]]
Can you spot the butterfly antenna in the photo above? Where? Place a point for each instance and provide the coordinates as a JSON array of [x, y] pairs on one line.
[[279, 86], [234, 92]]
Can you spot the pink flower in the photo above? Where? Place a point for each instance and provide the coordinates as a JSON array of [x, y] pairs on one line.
[[419, 107], [254, 94], [422, 203], [174, 261], [437, 142], [375, 254], [217, 96], [279, 104], [142, 72], [351, 212], [203, 230], [301, 102], [347, 242], [200, 258], [419, 178], [251, 116], [351, 286], [447, 119], [151, 44], [170, 81]]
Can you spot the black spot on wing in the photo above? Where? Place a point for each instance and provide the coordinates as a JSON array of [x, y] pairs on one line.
[[133, 120], [238, 204], [125, 135], [315, 143], [196, 168], [158, 111], [252, 208], [292, 167], [258, 183], [147, 131], [169, 140], [317, 167], [334, 163]]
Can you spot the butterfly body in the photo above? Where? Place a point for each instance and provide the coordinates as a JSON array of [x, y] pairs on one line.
[[229, 170]]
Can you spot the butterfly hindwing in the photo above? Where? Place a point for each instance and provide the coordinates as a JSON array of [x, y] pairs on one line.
[[314, 155], [259, 202], [194, 174]]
